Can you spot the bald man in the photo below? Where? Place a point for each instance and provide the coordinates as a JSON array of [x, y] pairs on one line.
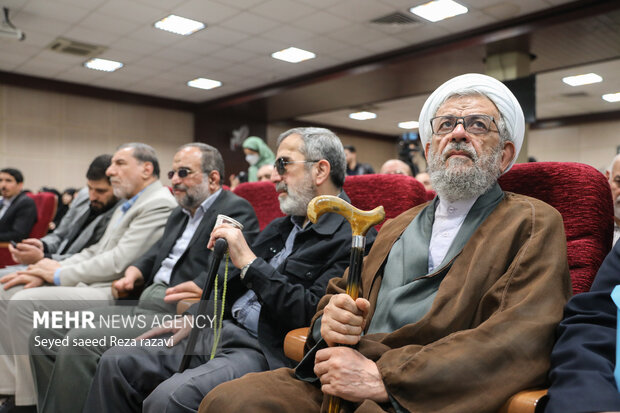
[[613, 174], [425, 178], [395, 166]]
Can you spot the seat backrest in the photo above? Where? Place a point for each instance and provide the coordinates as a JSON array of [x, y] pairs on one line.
[[46, 203], [397, 193], [582, 195], [263, 198]]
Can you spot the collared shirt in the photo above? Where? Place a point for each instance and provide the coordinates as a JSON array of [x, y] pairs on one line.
[[616, 232], [167, 265], [6, 203], [246, 310], [449, 217]]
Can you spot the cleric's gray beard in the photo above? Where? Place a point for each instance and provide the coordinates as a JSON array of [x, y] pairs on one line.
[[457, 180]]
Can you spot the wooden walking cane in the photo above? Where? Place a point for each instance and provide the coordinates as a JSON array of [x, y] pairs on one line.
[[218, 252], [361, 222]]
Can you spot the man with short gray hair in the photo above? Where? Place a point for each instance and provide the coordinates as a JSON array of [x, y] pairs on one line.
[[74, 283]]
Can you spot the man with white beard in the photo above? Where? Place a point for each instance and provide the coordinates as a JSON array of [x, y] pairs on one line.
[[460, 297], [613, 175], [281, 279]]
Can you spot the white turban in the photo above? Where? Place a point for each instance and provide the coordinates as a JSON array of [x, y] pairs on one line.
[[492, 88]]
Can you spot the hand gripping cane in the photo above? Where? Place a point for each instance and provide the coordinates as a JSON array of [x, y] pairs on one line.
[[218, 252], [361, 222]]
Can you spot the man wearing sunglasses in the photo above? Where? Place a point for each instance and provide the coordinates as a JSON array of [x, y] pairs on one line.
[[460, 296], [276, 288], [77, 282], [171, 269]]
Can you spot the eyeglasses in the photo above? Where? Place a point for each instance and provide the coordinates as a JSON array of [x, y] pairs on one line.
[[474, 124], [182, 172], [280, 164]]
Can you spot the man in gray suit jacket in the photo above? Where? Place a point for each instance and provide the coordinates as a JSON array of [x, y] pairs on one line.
[[82, 226], [133, 228]]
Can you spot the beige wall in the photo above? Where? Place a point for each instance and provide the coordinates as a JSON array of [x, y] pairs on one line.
[[592, 143], [52, 137]]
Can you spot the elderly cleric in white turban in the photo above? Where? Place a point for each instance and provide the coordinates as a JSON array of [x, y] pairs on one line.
[[496, 91]]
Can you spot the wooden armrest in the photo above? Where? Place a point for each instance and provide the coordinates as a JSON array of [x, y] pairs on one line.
[[4, 244], [183, 305], [523, 402], [294, 343]]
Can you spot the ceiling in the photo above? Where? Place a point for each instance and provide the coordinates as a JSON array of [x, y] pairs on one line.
[[235, 49]]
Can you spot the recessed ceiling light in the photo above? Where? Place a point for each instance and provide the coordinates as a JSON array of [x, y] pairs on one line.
[[612, 97], [582, 79], [202, 83], [179, 25], [362, 115], [411, 124], [439, 10], [103, 65], [293, 55]]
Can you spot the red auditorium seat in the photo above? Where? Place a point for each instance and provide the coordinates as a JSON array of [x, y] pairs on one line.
[[46, 203]]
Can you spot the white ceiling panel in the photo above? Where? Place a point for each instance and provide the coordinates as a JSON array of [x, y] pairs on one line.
[[283, 11], [355, 11], [88, 35], [132, 10], [222, 35], [207, 12], [107, 23], [250, 23], [49, 9], [287, 34], [322, 23], [241, 4]]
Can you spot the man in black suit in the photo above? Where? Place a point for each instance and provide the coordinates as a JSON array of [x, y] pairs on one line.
[[18, 212], [174, 266], [276, 288]]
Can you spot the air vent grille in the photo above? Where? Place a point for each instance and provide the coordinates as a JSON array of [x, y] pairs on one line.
[[397, 18], [72, 47], [575, 95]]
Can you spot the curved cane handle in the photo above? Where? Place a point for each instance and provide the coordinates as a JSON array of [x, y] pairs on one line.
[[361, 221]]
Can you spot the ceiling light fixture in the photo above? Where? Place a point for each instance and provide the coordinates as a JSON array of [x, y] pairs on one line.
[[103, 65], [293, 55], [364, 115], [439, 10], [202, 83], [612, 97], [179, 25], [580, 80], [410, 124]]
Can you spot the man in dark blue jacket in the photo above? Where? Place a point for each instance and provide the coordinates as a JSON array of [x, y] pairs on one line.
[[584, 357], [281, 279]]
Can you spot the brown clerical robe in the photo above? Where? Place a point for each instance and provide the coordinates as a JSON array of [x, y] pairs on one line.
[[487, 335]]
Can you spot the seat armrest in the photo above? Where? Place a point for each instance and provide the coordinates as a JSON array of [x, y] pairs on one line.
[[294, 343], [523, 402], [183, 305]]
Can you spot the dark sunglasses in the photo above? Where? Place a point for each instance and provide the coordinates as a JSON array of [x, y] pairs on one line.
[[182, 172], [280, 164]]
